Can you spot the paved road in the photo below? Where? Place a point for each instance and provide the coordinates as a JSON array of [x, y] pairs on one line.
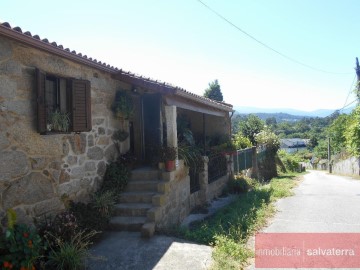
[[322, 203]]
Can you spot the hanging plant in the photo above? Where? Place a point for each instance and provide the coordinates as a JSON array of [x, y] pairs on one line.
[[123, 106], [120, 135]]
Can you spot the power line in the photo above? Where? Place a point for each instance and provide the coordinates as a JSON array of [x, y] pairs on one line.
[[267, 46], [350, 90], [339, 110], [347, 105]]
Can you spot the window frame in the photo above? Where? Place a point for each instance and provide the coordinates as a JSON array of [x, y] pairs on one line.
[[78, 103]]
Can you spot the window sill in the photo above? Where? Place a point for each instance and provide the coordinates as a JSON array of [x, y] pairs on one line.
[[56, 132]]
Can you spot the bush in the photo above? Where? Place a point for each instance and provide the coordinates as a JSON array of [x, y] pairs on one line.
[[291, 162], [240, 184], [104, 203], [116, 178], [88, 216], [62, 228], [241, 142]]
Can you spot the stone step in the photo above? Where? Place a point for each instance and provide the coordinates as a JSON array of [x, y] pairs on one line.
[[136, 197], [146, 173], [142, 185], [132, 209], [148, 230], [133, 224]]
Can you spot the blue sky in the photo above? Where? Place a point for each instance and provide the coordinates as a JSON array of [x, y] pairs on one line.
[[183, 43]]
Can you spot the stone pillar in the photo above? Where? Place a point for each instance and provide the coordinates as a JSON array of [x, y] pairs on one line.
[[230, 165], [171, 127], [204, 181]]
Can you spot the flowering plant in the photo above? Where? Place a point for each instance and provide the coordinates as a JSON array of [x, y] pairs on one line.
[[20, 245]]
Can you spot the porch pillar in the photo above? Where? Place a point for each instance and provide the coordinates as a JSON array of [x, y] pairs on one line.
[[171, 126]]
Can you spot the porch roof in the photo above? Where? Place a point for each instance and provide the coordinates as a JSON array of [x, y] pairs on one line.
[[169, 90]]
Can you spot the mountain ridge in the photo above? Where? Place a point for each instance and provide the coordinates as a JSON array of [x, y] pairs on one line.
[[289, 111]]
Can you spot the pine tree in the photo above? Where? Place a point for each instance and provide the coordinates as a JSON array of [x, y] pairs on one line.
[[213, 91]]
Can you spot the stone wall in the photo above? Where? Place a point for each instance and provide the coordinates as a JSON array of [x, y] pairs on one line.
[[36, 171], [177, 202], [174, 204], [348, 167]]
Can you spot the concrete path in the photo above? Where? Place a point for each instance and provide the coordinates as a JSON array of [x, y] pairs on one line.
[[322, 203], [128, 251]]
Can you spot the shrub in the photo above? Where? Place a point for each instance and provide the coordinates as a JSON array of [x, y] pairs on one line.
[[62, 228], [104, 203], [20, 245], [291, 162], [116, 177], [239, 184], [241, 142], [88, 216]]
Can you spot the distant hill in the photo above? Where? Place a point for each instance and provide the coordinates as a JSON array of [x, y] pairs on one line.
[[280, 117], [284, 112]]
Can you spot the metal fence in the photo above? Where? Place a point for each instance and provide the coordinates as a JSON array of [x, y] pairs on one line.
[[194, 180], [243, 160], [217, 167]]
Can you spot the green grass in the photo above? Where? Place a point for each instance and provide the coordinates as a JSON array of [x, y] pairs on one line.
[[229, 229]]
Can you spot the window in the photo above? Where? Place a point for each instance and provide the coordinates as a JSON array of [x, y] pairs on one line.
[[62, 96]]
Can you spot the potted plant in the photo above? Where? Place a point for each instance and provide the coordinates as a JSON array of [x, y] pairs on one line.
[[58, 121], [122, 106], [168, 154]]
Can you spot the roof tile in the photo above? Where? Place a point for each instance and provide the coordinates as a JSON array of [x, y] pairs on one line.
[[156, 82]]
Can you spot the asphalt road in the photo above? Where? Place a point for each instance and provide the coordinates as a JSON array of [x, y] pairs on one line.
[[322, 203]]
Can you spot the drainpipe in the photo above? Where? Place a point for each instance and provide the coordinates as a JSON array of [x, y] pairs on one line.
[[232, 114]]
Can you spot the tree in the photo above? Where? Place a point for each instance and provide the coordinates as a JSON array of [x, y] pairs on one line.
[[352, 132], [336, 131], [268, 138], [271, 122], [251, 126], [214, 91]]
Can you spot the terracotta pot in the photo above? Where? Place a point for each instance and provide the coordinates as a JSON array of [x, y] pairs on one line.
[[170, 165]]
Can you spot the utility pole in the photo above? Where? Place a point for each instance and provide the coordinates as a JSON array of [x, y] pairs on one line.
[[357, 70], [329, 156]]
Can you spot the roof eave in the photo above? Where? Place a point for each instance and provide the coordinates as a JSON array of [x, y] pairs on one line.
[[48, 47], [206, 101]]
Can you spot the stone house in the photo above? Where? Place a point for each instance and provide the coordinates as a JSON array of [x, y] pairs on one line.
[[38, 166]]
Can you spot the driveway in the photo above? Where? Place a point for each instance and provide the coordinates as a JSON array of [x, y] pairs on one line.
[[322, 203]]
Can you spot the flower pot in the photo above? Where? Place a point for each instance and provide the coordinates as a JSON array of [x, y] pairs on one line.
[[170, 165]]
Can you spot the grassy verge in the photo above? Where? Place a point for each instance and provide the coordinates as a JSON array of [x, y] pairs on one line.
[[229, 229]]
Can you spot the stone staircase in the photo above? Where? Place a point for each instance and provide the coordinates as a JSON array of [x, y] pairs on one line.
[[139, 206]]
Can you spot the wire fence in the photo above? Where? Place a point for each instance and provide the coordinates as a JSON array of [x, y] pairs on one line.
[[243, 160]]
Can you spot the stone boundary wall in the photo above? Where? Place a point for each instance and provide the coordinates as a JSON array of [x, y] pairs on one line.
[[177, 202], [349, 167], [173, 205], [36, 171]]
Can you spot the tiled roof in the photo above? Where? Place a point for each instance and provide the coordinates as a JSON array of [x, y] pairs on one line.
[[52, 47]]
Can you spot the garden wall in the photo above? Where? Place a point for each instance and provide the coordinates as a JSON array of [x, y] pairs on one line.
[[348, 167], [36, 171], [177, 202]]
